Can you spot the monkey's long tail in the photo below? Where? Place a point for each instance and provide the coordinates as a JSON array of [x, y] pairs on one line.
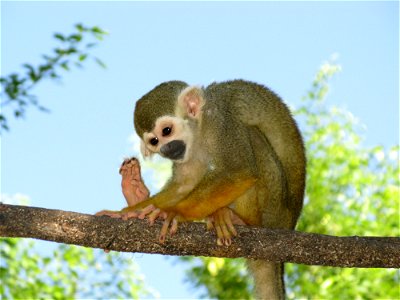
[[268, 279]]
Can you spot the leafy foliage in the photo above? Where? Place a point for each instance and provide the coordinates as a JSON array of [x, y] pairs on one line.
[[66, 272], [73, 51], [351, 190], [220, 276], [30, 271]]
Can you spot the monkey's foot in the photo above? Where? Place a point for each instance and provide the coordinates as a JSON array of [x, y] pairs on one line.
[[222, 221], [132, 184]]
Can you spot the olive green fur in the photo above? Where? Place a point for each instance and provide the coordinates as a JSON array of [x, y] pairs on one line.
[[244, 128], [158, 102]]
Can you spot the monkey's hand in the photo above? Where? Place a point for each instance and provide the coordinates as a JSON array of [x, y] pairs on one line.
[[134, 191], [144, 209], [152, 213], [222, 221]]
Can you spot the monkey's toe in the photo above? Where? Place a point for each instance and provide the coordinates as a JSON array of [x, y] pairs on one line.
[[172, 221], [221, 221]]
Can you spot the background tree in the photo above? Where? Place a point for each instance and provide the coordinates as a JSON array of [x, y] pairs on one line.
[[26, 272], [64, 271], [348, 188], [351, 190], [74, 49]]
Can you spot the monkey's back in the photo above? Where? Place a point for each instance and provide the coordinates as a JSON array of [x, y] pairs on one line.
[[257, 106]]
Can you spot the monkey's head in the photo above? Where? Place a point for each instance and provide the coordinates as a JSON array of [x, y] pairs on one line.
[[166, 119]]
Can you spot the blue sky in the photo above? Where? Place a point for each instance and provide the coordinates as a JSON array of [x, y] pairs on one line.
[[69, 159]]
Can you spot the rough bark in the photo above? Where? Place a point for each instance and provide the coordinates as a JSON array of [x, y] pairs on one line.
[[193, 239]]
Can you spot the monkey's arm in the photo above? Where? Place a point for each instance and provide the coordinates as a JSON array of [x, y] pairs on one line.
[[167, 197], [206, 198]]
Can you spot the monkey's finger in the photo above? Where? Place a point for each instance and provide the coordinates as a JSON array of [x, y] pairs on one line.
[[145, 211], [101, 213], [209, 223], [220, 236], [165, 227], [123, 170], [131, 160], [226, 234], [115, 216], [174, 226], [227, 214], [128, 160], [163, 215], [122, 167], [130, 215], [124, 164], [136, 171], [109, 213], [154, 215]]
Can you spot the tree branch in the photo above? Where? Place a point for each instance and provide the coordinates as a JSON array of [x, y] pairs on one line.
[[192, 239]]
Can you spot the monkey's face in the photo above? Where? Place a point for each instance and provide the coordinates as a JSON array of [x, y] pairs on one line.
[[173, 134], [171, 137]]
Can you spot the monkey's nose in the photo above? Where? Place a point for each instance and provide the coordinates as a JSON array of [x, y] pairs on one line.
[[174, 149]]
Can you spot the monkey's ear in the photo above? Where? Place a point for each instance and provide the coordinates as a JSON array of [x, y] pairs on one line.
[[144, 150], [190, 102]]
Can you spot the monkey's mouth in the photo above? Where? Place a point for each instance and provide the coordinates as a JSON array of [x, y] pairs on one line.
[[174, 150]]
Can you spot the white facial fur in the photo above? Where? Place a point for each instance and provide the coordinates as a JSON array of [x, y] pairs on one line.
[[179, 131]]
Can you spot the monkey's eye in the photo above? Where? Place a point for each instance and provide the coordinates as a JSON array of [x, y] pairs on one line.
[[166, 131], [154, 141]]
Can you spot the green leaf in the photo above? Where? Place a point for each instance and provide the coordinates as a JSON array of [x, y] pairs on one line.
[[60, 37], [59, 51], [64, 65], [91, 45], [17, 87], [98, 30], [28, 66], [54, 75], [71, 50], [75, 37], [100, 63], [82, 57], [80, 27]]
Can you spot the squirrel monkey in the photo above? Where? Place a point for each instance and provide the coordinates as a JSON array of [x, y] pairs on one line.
[[238, 158]]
